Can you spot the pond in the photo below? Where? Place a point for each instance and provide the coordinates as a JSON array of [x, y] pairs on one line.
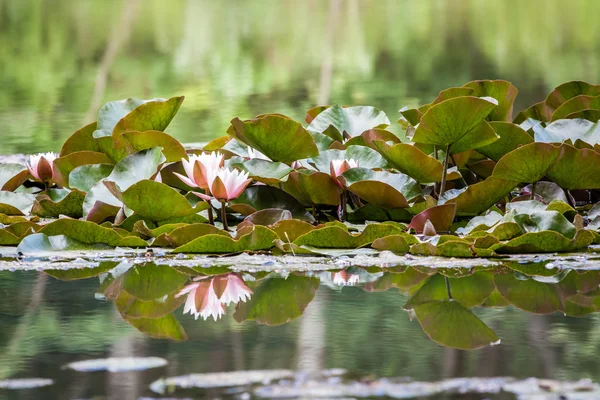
[[60, 60], [327, 333]]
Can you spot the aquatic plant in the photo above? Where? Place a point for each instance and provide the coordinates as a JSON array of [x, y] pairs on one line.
[[471, 182]]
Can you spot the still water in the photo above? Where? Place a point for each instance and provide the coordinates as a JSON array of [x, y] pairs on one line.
[[60, 60], [354, 319]]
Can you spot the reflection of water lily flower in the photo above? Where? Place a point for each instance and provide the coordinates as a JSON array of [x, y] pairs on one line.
[[252, 153], [208, 297], [338, 167], [342, 278], [40, 166], [201, 169]]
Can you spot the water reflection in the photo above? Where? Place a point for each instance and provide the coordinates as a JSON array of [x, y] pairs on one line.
[[445, 302]]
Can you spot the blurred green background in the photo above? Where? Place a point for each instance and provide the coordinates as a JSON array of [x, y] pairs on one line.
[[60, 60]]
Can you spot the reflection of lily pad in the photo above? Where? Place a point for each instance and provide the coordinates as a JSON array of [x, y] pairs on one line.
[[117, 364], [450, 324]]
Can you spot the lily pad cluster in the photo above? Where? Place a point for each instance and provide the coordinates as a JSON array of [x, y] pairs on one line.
[[465, 180]]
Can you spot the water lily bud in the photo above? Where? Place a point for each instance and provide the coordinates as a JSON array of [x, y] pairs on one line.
[[41, 165]]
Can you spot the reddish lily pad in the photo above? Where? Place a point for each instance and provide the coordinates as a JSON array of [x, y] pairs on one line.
[[64, 165], [441, 217], [576, 168], [569, 90], [12, 176], [310, 187], [367, 137], [81, 140]]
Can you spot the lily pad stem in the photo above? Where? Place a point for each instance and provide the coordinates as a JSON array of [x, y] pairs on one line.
[[570, 199], [211, 218], [448, 288], [445, 171], [224, 215], [532, 196], [343, 205]]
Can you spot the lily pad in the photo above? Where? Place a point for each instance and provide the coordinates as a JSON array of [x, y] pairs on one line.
[[365, 156], [16, 203], [90, 233], [367, 137], [171, 148], [441, 217], [81, 140], [529, 294], [568, 90], [263, 171], [154, 200], [310, 187], [458, 123], [396, 243], [336, 237], [504, 92], [411, 161], [41, 243], [576, 168], [256, 238], [382, 188], [12, 176], [450, 324], [470, 291], [545, 242], [56, 202], [479, 197], [185, 234], [164, 327], [85, 177], [349, 121], [260, 197], [276, 136], [529, 163], [64, 165], [128, 171], [511, 137], [575, 105], [152, 281], [572, 130]]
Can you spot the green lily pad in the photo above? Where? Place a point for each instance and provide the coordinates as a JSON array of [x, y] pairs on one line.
[[479, 197], [185, 234], [545, 242], [441, 217], [504, 92], [451, 93], [64, 165], [335, 237], [310, 187], [90, 233], [450, 324], [41, 243], [154, 200], [458, 123], [164, 327], [511, 137], [529, 163], [529, 294], [57, 202], [128, 171], [81, 140], [276, 136], [396, 243], [349, 121], [262, 170], [85, 177], [366, 157], [256, 238], [12, 176], [576, 168], [411, 161], [277, 301], [171, 148], [290, 229], [575, 105], [16, 203], [382, 188], [446, 246], [539, 112], [138, 115]]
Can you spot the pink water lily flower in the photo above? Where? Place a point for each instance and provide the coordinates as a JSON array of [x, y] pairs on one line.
[[342, 278], [228, 184], [40, 166], [201, 169], [338, 167], [208, 297]]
